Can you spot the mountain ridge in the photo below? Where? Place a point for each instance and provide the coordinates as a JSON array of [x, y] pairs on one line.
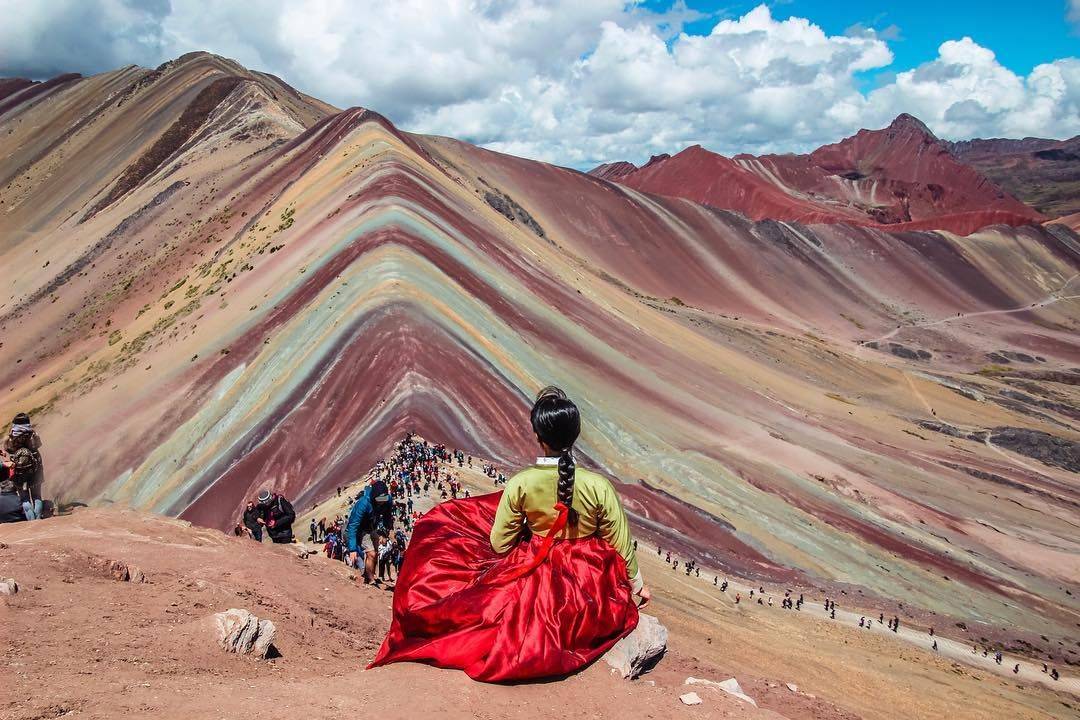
[[274, 301], [901, 177]]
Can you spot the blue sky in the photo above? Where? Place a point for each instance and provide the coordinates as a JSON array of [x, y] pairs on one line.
[[1022, 35]]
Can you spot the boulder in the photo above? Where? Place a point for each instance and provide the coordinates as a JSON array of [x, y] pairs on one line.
[[136, 575], [690, 698], [8, 586], [793, 687], [639, 651], [730, 686], [243, 633], [119, 571]]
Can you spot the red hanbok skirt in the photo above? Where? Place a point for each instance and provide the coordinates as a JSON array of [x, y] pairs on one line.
[[547, 607]]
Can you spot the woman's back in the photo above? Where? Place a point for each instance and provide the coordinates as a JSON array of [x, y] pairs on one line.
[[529, 501]]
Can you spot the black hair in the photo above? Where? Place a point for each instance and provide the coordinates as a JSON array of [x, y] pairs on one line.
[[557, 424]]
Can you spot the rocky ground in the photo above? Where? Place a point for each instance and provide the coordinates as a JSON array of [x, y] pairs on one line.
[[81, 641]]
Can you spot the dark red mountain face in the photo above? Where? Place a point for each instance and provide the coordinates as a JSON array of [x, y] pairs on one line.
[[901, 177]]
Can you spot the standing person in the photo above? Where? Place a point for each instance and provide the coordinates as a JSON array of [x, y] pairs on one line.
[[537, 582], [313, 531], [371, 511], [23, 447], [252, 518], [388, 557], [277, 516]]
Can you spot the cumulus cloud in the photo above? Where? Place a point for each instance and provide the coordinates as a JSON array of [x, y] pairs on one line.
[[564, 80]]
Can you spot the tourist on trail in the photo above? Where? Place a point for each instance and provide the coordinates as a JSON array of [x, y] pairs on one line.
[[277, 516], [313, 531], [252, 518], [723, 586], [11, 507], [536, 582], [935, 646], [371, 512], [23, 445], [386, 557], [1016, 669], [1054, 674]]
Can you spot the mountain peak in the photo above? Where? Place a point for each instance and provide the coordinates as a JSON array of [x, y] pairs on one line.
[[904, 121]]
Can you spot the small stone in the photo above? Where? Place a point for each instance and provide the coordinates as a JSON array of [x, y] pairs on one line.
[[730, 686], [639, 651], [690, 698], [136, 575], [8, 586], [793, 687], [119, 571], [241, 632]]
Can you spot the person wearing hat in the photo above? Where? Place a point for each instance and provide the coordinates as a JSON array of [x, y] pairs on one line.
[[277, 516], [371, 513], [23, 447], [11, 507]]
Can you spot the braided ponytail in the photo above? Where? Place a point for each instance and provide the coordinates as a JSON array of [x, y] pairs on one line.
[[557, 424], [565, 491]]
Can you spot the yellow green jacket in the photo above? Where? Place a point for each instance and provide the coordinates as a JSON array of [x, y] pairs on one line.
[[530, 497]]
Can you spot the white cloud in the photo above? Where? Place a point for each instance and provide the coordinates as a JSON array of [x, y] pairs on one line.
[[564, 80]]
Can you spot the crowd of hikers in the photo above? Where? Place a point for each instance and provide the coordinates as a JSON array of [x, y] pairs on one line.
[[376, 529]]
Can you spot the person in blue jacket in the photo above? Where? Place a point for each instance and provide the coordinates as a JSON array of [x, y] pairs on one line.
[[371, 513]]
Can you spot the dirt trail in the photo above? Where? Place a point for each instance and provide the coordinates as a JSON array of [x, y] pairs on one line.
[[1050, 299]]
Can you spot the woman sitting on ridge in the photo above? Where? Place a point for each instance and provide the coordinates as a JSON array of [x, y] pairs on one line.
[[538, 581]]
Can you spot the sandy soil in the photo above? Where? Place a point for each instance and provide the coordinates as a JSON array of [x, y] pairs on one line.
[[82, 644]]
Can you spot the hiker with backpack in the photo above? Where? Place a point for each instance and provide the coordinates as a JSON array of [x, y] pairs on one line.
[[277, 516], [22, 446]]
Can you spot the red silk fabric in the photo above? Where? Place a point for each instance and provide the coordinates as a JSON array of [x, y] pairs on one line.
[[548, 607]]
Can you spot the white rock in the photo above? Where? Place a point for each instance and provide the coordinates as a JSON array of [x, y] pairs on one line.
[[690, 698], [730, 686], [639, 651], [8, 586], [241, 632], [793, 687]]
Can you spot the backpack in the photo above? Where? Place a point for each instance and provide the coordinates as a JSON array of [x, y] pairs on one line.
[[26, 464]]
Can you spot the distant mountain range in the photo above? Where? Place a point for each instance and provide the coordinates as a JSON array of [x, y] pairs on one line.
[[901, 177], [1045, 174]]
